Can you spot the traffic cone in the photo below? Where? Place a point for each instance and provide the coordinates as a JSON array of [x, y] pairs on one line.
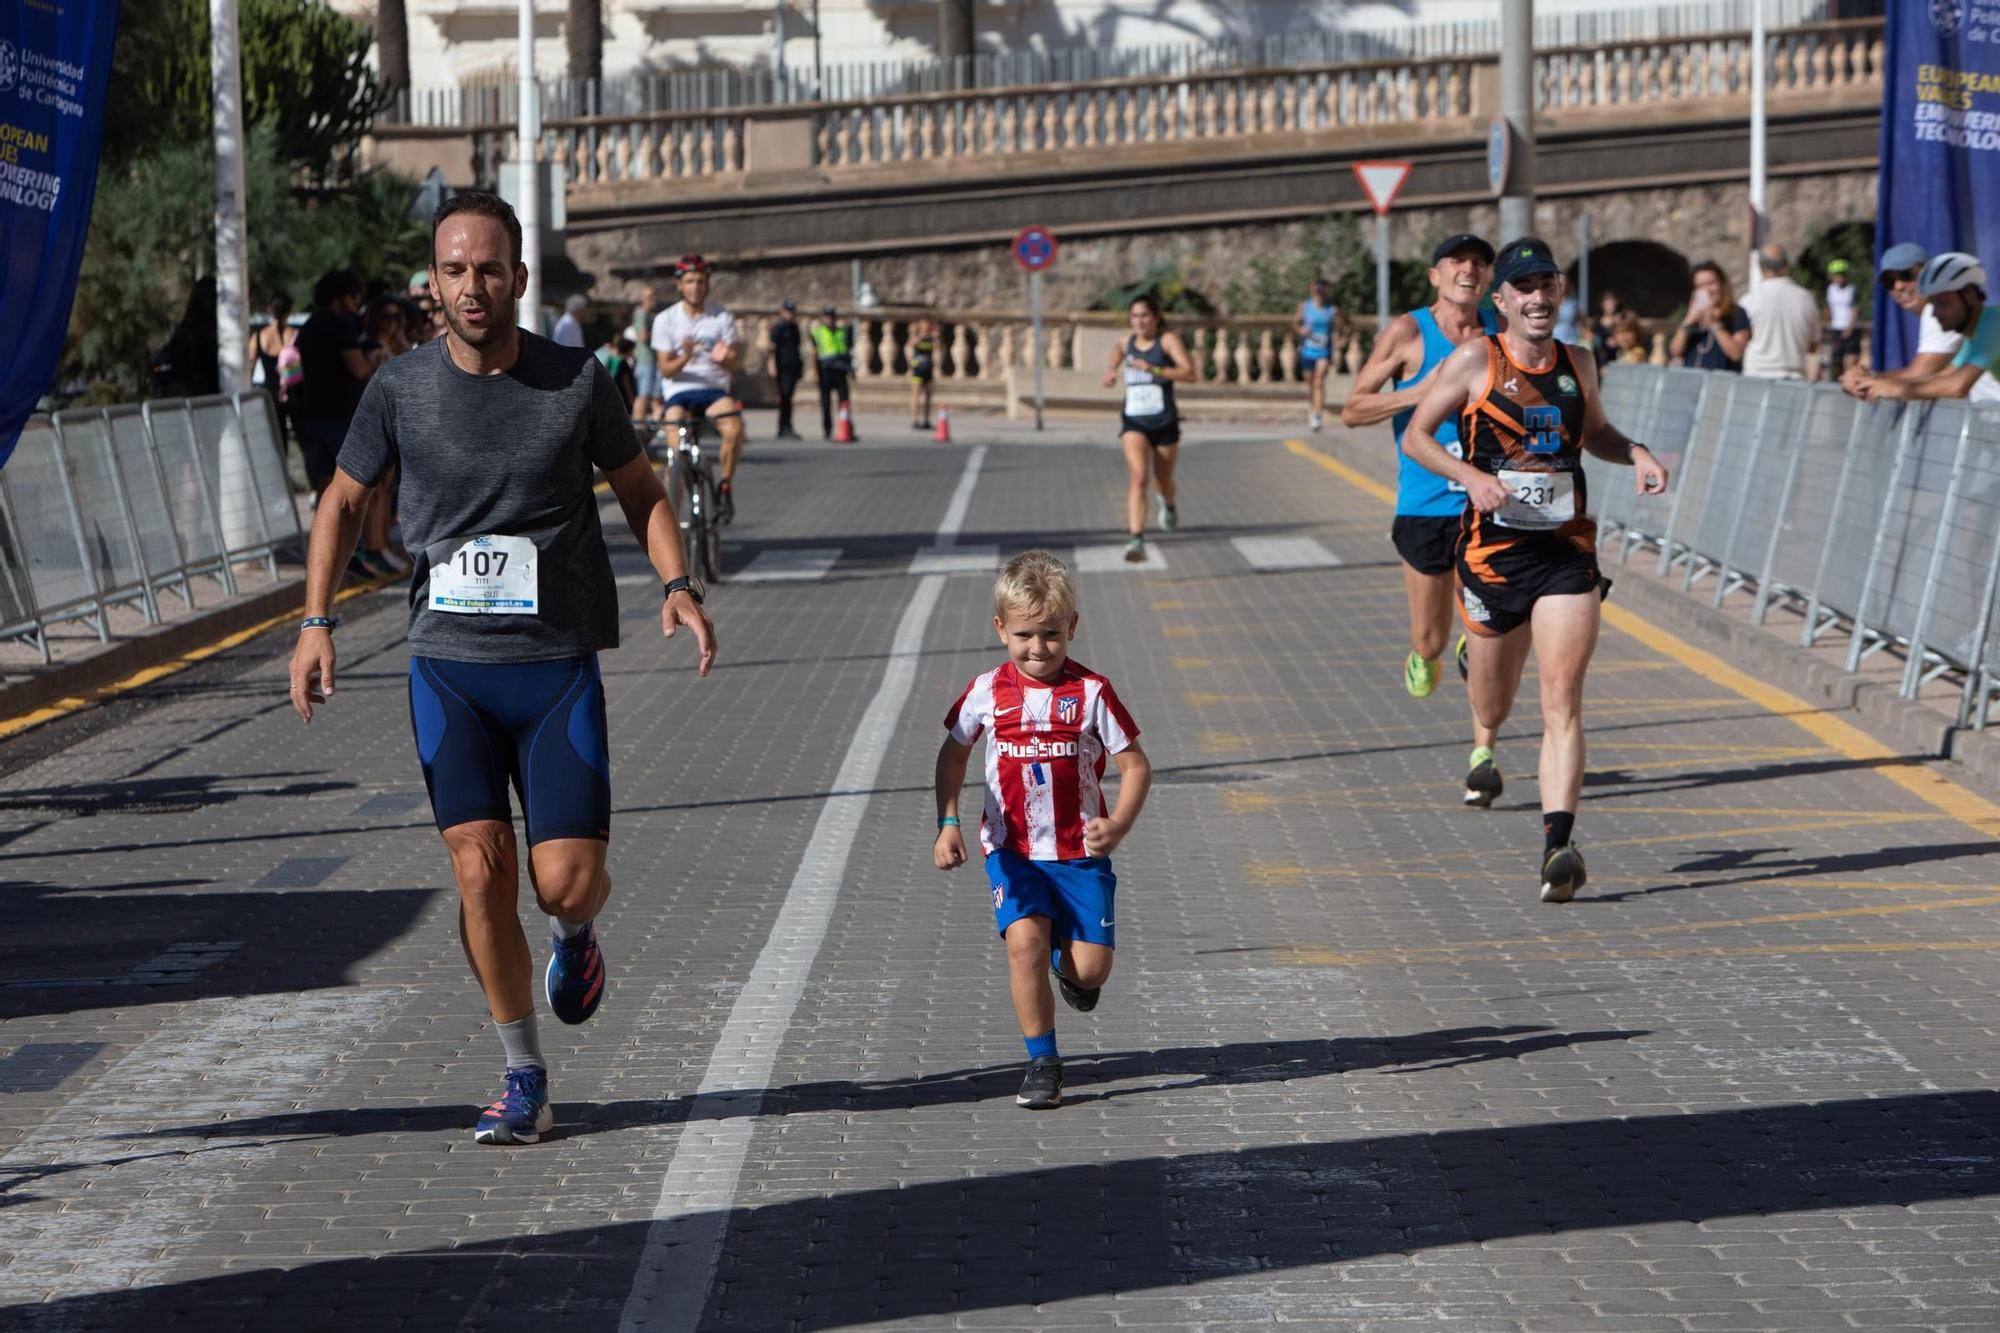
[[943, 435], [843, 427]]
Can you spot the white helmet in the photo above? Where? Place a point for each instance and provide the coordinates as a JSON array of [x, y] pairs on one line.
[[1951, 271]]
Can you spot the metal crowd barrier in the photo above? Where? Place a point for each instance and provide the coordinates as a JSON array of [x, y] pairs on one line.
[[104, 507], [1882, 520]]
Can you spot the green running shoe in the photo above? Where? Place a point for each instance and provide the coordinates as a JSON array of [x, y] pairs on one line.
[[1419, 676], [1482, 784]]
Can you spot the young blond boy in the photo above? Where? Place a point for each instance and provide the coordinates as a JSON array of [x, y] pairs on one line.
[[1047, 839]]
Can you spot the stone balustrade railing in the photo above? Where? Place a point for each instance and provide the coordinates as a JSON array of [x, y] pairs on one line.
[[980, 347], [1841, 60]]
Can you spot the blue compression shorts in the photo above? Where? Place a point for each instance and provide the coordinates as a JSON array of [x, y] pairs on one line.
[[1076, 896], [537, 726], [696, 400]]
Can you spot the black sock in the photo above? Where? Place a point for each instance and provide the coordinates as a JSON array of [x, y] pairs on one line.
[[1557, 825]]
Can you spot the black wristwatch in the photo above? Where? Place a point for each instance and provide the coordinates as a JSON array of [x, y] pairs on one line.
[[688, 584]]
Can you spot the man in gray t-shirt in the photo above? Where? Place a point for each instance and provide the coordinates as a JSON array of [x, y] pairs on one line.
[[498, 433]]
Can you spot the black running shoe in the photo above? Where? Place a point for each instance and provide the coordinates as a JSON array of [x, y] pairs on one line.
[[725, 504], [1562, 874], [1483, 784], [1041, 1090], [1075, 996]]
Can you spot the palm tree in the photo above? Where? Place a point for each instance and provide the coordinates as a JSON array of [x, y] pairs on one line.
[[585, 35], [392, 43]]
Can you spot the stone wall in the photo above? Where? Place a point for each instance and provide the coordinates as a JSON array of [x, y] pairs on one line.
[[1694, 222]]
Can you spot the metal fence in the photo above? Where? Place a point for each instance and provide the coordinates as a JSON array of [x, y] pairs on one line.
[[128, 506], [1881, 520]]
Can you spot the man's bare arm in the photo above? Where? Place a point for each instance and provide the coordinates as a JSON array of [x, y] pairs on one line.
[[1367, 403]]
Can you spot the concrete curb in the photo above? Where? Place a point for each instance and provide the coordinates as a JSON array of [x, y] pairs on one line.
[[1918, 725], [161, 643]]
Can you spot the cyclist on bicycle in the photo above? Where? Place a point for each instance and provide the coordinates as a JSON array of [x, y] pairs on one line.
[[694, 341]]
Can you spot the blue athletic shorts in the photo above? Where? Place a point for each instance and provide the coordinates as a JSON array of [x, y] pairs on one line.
[[1076, 896], [537, 726], [693, 399], [1309, 354]]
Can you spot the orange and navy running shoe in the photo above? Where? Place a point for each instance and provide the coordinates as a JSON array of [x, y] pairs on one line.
[[522, 1115]]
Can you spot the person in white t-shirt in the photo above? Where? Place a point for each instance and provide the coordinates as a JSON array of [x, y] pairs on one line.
[[569, 329], [1901, 267], [694, 346], [1784, 323], [1842, 307]]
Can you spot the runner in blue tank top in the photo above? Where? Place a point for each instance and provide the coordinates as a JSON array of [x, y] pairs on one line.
[[1315, 325], [1427, 507]]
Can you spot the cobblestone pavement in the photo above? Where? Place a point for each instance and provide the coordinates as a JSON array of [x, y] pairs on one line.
[[1349, 1074]]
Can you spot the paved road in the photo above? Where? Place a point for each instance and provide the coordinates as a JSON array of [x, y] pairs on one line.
[[1350, 1074]]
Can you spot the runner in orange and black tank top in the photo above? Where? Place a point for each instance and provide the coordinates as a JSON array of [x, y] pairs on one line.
[[1529, 425]]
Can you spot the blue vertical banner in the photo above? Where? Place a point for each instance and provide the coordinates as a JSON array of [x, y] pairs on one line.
[[55, 69], [1940, 177]]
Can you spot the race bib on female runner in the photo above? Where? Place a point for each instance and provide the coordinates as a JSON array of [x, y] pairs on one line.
[[487, 575], [1536, 501], [1144, 399]]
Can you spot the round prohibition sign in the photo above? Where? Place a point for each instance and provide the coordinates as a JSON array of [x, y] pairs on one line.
[[1034, 248]]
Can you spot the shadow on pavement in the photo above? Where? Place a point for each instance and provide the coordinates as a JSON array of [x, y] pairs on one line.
[[68, 949], [1167, 1223], [1230, 1065]]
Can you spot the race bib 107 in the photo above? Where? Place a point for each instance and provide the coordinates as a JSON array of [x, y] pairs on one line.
[[487, 575]]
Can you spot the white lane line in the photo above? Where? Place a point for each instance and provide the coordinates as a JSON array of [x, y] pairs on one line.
[[219, 1060], [671, 1286], [1111, 560], [955, 560], [787, 566], [1279, 553]]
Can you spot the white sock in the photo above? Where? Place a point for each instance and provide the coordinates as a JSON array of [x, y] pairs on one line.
[[522, 1043], [568, 930]]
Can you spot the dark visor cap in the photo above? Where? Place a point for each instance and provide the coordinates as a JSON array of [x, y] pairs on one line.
[[1525, 258], [1465, 240]]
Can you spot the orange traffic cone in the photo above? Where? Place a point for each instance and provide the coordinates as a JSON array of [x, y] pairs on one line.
[[943, 435], [843, 427]]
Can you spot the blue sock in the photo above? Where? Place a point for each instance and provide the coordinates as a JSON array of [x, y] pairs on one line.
[[1042, 1047]]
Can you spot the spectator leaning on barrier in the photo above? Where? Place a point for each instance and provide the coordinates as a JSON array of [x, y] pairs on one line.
[[1715, 330], [1784, 323], [1902, 267], [1955, 285], [569, 329]]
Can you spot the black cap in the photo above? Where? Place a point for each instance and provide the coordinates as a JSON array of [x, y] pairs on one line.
[[1464, 240], [827, 310], [1526, 258], [791, 305]]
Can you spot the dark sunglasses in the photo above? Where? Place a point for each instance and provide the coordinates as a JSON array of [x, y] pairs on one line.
[[1894, 276]]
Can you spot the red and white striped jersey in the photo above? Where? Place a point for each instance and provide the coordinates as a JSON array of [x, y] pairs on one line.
[[1045, 758]]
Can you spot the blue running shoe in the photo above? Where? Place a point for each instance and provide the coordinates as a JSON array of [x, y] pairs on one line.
[[575, 979], [523, 1115]]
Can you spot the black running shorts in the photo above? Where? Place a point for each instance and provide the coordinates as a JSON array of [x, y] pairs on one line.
[[1157, 436], [1428, 543], [1499, 585]]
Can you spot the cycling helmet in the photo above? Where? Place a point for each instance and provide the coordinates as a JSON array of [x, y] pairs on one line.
[[1949, 272], [690, 264]]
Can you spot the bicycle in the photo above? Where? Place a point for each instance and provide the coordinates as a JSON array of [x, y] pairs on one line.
[[691, 488]]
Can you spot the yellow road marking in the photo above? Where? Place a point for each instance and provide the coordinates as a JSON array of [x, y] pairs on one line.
[[1358, 480], [1934, 789], [1318, 958], [147, 675]]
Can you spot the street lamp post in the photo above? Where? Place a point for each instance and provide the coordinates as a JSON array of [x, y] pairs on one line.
[[527, 138], [232, 277], [1517, 107], [1757, 161]]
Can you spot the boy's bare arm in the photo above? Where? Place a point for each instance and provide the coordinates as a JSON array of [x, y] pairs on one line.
[[1135, 778], [948, 853]]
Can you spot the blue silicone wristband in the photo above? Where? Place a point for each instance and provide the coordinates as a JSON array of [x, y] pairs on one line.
[[948, 821]]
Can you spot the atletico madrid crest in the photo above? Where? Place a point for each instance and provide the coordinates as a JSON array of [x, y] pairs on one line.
[[1068, 709]]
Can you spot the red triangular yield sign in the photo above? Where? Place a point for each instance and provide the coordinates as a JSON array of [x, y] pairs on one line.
[[1382, 181]]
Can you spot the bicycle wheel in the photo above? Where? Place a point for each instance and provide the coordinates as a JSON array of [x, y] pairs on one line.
[[689, 512], [711, 530]]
